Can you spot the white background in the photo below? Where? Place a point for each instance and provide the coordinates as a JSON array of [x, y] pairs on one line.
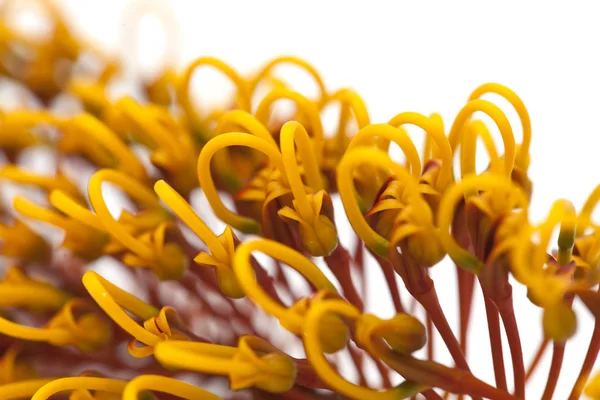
[[425, 57]]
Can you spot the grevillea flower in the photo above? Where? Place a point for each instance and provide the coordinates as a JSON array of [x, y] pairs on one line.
[[248, 311]]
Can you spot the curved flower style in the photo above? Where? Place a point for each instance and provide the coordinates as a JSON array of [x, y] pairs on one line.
[[290, 184]]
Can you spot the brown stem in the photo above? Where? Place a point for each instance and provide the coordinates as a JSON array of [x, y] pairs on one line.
[[357, 358], [339, 263], [558, 354], [431, 304], [431, 395], [390, 278], [430, 373], [536, 359], [507, 312], [466, 285], [493, 321], [588, 363], [430, 333], [359, 261]]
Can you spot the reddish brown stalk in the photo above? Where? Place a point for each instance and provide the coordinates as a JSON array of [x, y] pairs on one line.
[[431, 395], [453, 380], [588, 363], [536, 359], [339, 263], [466, 286], [431, 304], [420, 285], [281, 279], [493, 320], [430, 332], [384, 371], [558, 354], [359, 261], [412, 306], [357, 359], [507, 312], [390, 278]]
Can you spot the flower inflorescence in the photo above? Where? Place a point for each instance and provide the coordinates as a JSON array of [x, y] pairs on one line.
[[65, 328]]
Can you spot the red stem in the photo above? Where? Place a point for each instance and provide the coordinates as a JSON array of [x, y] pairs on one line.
[[430, 302], [357, 358], [466, 285], [493, 321], [390, 278], [507, 312], [558, 354], [536, 359], [588, 363], [339, 263], [430, 332], [359, 261], [431, 395]]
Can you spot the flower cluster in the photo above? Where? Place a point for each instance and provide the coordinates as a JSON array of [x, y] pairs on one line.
[[204, 303]]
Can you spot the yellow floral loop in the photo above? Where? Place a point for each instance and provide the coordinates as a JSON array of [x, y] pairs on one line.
[[183, 89], [529, 259], [472, 183], [48, 183], [23, 389], [149, 127], [312, 345], [433, 127], [61, 201], [247, 279], [500, 120], [267, 69], [16, 128], [75, 383], [95, 133], [351, 99], [522, 158], [294, 135], [244, 224], [221, 247], [254, 362], [88, 333], [396, 135], [187, 214], [114, 301], [83, 241], [18, 290], [379, 159], [232, 120], [163, 384], [307, 107], [167, 261], [585, 215], [468, 152]]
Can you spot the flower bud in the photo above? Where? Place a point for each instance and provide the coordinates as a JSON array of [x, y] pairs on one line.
[[403, 333], [273, 372], [559, 322]]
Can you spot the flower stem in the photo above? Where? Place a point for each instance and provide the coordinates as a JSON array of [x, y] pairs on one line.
[[390, 278], [588, 363], [493, 321], [536, 359], [507, 312], [339, 263], [558, 354], [466, 284]]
